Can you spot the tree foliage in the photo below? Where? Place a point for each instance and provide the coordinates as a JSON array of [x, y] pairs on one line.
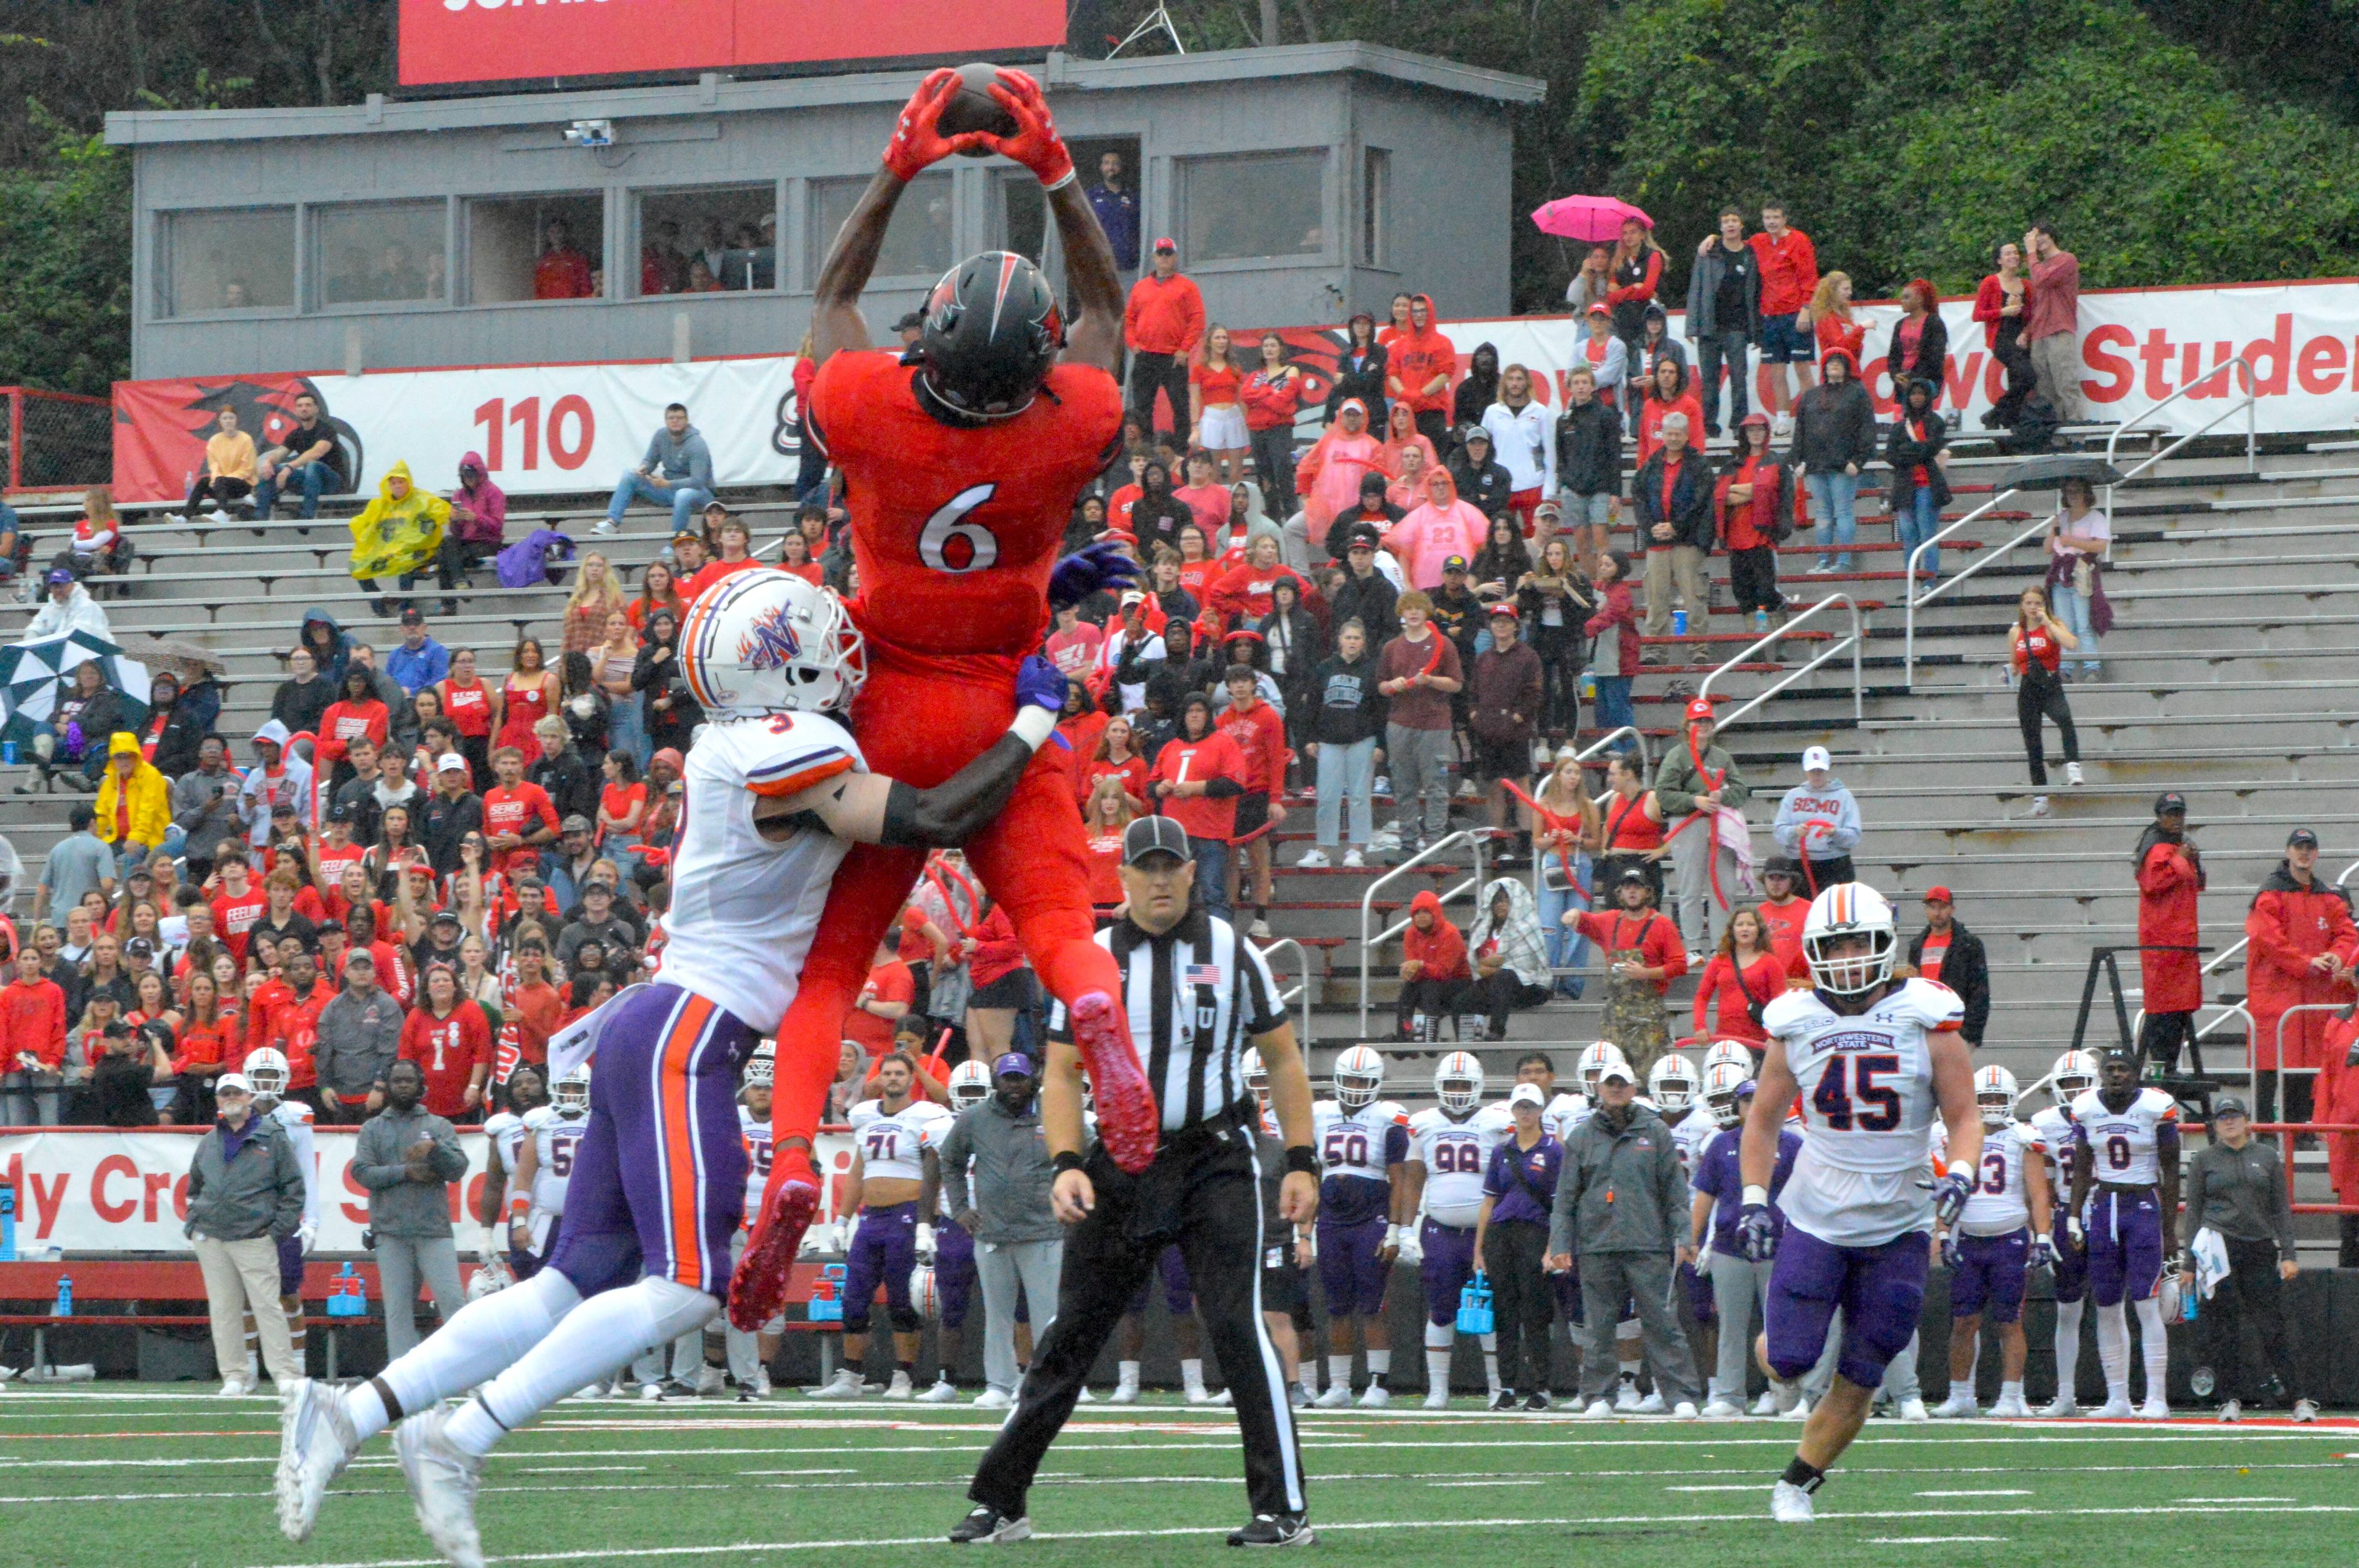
[[65, 267]]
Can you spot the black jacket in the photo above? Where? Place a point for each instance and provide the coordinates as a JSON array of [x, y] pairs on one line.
[[1339, 532], [1579, 602], [657, 673], [1703, 292], [298, 703], [1965, 970], [1486, 487], [1588, 450], [1933, 361], [1691, 498], [1368, 601], [441, 822], [184, 725], [1365, 382], [1298, 632], [1480, 389], [1833, 425], [1348, 707], [1907, 453], [571, 787]]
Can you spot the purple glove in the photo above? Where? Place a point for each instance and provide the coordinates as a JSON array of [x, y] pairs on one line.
[[1092, 568], [1039, 683]]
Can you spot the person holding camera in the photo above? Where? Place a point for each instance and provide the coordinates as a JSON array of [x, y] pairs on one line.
[[407, 1157]]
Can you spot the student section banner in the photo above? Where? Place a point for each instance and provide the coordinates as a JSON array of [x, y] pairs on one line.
[[552, 428], [107, 1190]]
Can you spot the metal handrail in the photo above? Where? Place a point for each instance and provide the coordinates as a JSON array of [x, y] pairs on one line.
[[1723, 722], [1909, 573], [2251, 425], [1474, 838], [1646, 766], [1302, 957]]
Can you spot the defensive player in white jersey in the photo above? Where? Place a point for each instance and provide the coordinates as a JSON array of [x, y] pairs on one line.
[[527, 1086], [749, 1355], [1673, 1086], [888, 1173], [1362, 1141], [2002, 1234], [1873, 1062], [2125, 1170], [775, 791], [267, 1070], [1449, 1153], [2074, 1074], [953, 1267]]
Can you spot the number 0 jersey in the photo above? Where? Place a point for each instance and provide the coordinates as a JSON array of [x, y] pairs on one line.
[[2127, 1145], [744, 908], [1456, 1152], [893, 1147], [553, 1141], [1356, 1151], [1866, 1080]]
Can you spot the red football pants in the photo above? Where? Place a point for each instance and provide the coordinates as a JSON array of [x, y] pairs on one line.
[[921, 721]]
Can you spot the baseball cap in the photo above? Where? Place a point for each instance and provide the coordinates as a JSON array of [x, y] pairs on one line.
[[443, 915], [687, 536], [913, 319], [341, 812], [139, 947], [448, 760], [1473, 432], [1506, 609], [577, 823], [413, 616], [1937, 894], [1154, 836], [1131, 597], [1363, 536], [1698, 707], [1781, 865], [1816, 757], [232, 1083], [1454, 564], [58, 574], [1633, 874], [2169, 800], [2228, 1105], [2301, 838], [1615, 1070], [282, 808], [1167, 244], [1525, 1094], [1756, 417], [1014, 1064], [1600, 309]]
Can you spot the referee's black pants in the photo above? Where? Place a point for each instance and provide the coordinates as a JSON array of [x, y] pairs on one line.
[[1203, 1193], [2252, 1286]]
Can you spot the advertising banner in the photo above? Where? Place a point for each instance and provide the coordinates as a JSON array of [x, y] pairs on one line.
[[110, 1191]]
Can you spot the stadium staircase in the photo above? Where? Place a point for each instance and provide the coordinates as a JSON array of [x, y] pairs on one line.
[[2231, 675]]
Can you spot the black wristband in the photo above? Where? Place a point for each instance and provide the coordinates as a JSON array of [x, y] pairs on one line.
[[1301, 1157], [1067, 1161]]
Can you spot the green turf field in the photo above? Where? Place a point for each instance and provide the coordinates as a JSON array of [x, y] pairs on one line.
[[134, 1478]]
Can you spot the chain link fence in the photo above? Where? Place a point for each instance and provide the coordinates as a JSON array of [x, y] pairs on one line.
[[57, 440]]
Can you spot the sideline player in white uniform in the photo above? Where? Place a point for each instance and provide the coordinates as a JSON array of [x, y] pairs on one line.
[[776, 793], [1449, 1152], [2001, 1237], [543, 1169], [2126, 1172], [267, 1070], [1872, 1062], [750, 1355], [527, 1086], [953, 1282], [2074, 1074], [888, 1170], [1361, 1141]]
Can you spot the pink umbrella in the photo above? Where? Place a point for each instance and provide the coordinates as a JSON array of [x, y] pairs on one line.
[[1592, 219]]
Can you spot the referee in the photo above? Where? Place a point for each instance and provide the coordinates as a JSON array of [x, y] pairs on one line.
[[1196, 997]]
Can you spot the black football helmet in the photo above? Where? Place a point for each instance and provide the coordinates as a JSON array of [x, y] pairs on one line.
[[992, 331]]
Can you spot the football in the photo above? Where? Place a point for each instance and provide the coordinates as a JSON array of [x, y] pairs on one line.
[[974, 109]]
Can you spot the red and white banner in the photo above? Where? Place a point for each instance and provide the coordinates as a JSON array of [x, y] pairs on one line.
[[107, 1190], [570, 427], [445, 41]]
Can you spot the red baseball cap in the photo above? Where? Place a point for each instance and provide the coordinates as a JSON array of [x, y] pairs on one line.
[[1167, 244], [1937, 896], [1698, 707]]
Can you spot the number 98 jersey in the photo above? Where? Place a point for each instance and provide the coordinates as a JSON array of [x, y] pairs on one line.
[[2124, 1145], [1455, 1154]]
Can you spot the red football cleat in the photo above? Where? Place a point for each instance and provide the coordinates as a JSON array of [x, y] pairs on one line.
[[758, 1289], [1128, 1120]]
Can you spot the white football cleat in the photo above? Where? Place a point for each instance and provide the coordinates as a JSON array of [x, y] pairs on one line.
[[1374, 1396], [1653, 1404], [2232, 1412], [443, 1483], [315, 1444], [1720, 1409], [710, 1381], [2061, 1406], [900, 1388], [997, 1399], [1124, 1394], [1685, 1409], [1437, 1398], [1788, 1504], [1801, 1410], [1199, 1395], [943, 1392], [1783, 1396], [1625, 1398], [2072, 774], [2155, 1409], [762, 1383], [1914, 1410], [2115, 1409], [845, 1385], [1957, 1405], [1599, 1409], [1767, 1403], [2010, 1406], [1337, 1396]]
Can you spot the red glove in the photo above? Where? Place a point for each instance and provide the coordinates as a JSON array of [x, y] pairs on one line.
[[917, 141], [1036, 144]]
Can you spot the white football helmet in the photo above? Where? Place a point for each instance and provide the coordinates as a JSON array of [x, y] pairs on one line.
[[1256, 1075], [1846, 910], [1672, 1082], [1726, 1087], [1359, 1077], [761, 1067], [2074, 1074], [491, 1277], [1594, 1060], [1995, 1094], [925, 1293], [1458, 1083], [766, 642], [267, 1070], [571, 1093], [970, 1084], [1732, 1051]]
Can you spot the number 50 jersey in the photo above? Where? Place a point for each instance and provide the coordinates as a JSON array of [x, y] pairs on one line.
[[1356, 1151], [1866, 1081]]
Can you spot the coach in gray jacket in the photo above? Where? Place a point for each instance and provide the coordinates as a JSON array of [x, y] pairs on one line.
[[359, 1036], [245, 1191], [1003, 1202], [1622, 1212], [407, 1157]]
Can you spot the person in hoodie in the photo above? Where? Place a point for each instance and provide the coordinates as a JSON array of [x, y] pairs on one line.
[[1479, 389], [175, 726], [1588, 465], [1834, 438], [1376, 510], [1918, 450], [400, 532], [1422, 360], [1158, 514], [2170, 882], [304, 695], [279, 775], [1360, 371], [329, 646], [676, 472], [1669, 390], [1509, 955], [1365, 593], [2301, 945], [1434, 973], [1723, 317], [1328, 477], [1347, 725], [69, 608], [1481, 479], [1523, 439], [1442, 528], [1754, 500], [1401, 434], [479, 521], [1818, 821]]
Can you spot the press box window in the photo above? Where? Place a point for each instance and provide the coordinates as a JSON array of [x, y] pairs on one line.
[[1261, 205], [235, 260], [708, 241], [535, 247], [918, 240], [378, 252]]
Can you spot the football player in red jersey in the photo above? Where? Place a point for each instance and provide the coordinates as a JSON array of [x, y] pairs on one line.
[[961, 461]]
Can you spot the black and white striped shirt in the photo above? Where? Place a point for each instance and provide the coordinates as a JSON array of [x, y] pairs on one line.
[[1196, 997]]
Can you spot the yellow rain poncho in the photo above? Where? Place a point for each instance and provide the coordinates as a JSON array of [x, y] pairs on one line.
[[391, 536]]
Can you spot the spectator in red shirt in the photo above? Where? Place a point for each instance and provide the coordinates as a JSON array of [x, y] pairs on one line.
[[1784, 911], [2053, 332], [1242, 596], [1205, 497], [884, 999], [1073, 643], [1434, 972], [239, 907], [735, 543], [1216, 407], [289, 1021], [1259, 735], [1421, 363], [1756, 501], [1744, 977], [1197, 777], [357, 714], [1117, 757], [2300, 946], [2170, 877], [533, 1006], [33, 1040], [562, 272], [1643, 955], [451, 1040], [1004, 985], [1161, 325], [1272, 394], [2002, 303], [1790, 275], [1104, 814], [518, 816]]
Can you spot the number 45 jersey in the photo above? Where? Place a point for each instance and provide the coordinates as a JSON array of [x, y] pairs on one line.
[[1864, 1174], [1358, 1150]]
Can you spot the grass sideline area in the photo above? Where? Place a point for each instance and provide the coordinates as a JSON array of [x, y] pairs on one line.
[[155, 1478]]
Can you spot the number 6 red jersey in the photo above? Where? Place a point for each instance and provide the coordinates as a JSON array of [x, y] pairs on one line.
[[957, 529]]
